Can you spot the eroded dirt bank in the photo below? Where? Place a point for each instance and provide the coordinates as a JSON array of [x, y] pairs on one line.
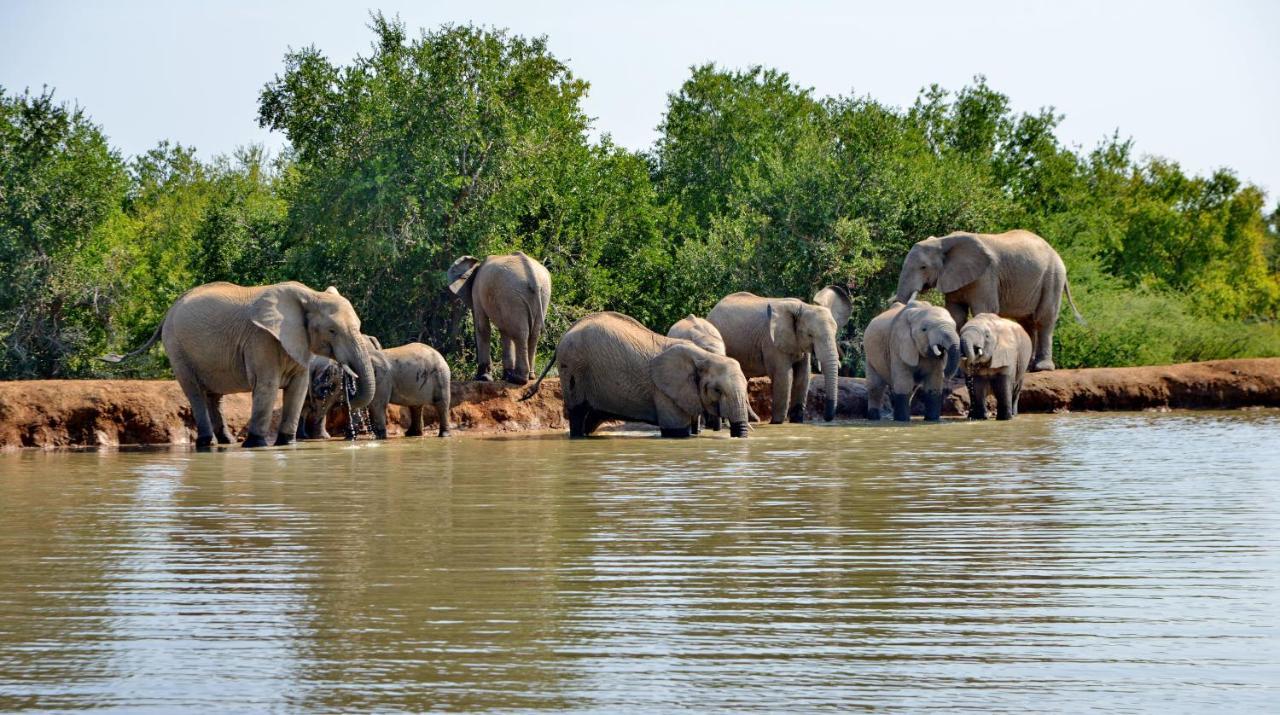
[[63, 413]]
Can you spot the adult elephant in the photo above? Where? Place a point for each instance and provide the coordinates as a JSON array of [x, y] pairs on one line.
[[1015, 274], [222, 338], [612, 367], [512, 292], [774, 336]]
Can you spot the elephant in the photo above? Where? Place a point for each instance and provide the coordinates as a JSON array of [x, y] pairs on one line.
[[700, 332], [223, 338], [413, 375], [774, 336], [512, 292], [836, 299], [908, 346], [1015, 274], [996, 353], [612, 367]]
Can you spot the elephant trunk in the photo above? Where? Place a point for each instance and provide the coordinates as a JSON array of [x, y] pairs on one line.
[[909, 283], [953, 360], [356, 356], [735, 410], [830, 378], [738, 429]]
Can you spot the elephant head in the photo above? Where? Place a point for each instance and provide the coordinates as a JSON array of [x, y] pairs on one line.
[[460, 275], [948, 263], [797, 328], [981, 345], [837, 300], [309, 322], [700, 382], [922, 329]]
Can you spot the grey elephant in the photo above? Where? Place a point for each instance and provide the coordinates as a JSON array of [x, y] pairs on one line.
[[612, 367], [512, 292], [995, 355], [698, 331], [910, 346], [1016, 275], [412, 375], [836, 299], [773, 337], [223, 338]]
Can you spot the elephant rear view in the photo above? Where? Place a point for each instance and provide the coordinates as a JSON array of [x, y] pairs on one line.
[[773, 337], [512, 292], [612, 367], [1016, 275], [223, 338]]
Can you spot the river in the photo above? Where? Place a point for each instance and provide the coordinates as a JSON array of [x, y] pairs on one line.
[[1115, 561]]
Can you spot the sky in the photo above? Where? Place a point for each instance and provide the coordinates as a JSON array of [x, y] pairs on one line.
[[1196, 82]]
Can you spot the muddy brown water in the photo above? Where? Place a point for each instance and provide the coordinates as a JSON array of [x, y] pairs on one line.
[[1059, 562]]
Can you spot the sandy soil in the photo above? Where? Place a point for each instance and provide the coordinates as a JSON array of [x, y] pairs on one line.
[[65, 413]]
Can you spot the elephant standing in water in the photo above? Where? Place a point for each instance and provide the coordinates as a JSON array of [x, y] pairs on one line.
[[1015, 275], [996, 352], [412, 375], [910, 346], [223, 338], [612, 367], [512, 292], [774, 336]]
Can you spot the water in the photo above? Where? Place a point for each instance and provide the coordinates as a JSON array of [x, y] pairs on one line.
[[1124, 562]]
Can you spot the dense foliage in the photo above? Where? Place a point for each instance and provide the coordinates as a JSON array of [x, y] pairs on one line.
[[466, 140]]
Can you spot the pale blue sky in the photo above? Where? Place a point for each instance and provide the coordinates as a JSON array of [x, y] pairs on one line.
[[1198, 82]]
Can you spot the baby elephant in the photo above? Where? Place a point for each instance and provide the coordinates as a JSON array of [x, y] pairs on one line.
[[412, 375], [910, 346], [997, 352], [614, 368]]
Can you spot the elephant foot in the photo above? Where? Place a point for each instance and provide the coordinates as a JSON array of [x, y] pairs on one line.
[[484, 376], [381, 434], [738, 429], [901, 407], [513, 378], [444, 432], [254, 440], [694, 427], [977, 415], [873, 414], [282, 439], [676, 432], [933, 406], [578, 420], [223, 437], [413, 432], [796, 414], [203, 441], [1045, 365]]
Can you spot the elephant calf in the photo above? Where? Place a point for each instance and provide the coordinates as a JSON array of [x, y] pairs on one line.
[[909, 346], [612, 367], [997, 352], [412, 375]]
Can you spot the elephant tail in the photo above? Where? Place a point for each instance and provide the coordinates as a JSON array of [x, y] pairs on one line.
[[533, 389], [1066, 286], [114, 358]]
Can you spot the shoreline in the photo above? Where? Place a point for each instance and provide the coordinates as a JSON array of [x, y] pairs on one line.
[[54, 414]]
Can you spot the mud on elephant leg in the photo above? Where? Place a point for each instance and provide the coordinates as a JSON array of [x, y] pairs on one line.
[[933, 405], [581, 421], [978, 387], [901, 406], [799, 391], [1003, 387]]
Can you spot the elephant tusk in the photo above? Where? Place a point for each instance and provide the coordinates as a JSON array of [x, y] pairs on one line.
[[978, 351], [350, 373], [937, 351]]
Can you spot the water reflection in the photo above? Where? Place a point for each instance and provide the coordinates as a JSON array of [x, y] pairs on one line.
[[1056, 562]]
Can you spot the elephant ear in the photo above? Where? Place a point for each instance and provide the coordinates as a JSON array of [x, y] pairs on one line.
[[282, 313], [901, 343], [782, 327], [675, 372], [836, 299], [966, 260], [460, 273], [1002, 345]]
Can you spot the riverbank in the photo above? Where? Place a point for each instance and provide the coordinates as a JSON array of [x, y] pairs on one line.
[[69, 413]]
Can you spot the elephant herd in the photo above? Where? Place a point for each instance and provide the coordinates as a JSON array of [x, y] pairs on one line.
[[222, 338]]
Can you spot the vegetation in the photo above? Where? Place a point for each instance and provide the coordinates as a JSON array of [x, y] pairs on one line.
[[466, 140]]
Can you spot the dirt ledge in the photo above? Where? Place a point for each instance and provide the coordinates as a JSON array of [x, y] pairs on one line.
[[68, 413]]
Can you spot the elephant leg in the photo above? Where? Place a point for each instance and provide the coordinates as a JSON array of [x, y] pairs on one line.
[[579, 417], [508, 355], [518, 374], [442, 417], [799, 390], [901, 406], [781, 377], [264, 397], [484, 359], [978, 398], [875, 395], [220, 432], [1043, 341], [531, 353], [199, 405], [415, 422], [695, 425], [934, 383], [1017, 395], [1003, 387], [291, 409]]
